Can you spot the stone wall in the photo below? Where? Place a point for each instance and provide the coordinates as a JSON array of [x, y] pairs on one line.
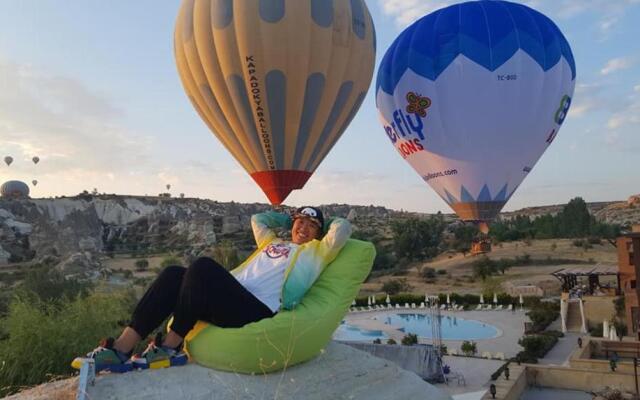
[[587, 380], [598, 309]]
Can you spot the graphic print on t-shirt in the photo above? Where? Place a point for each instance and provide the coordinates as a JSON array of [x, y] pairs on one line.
[[277, 250]]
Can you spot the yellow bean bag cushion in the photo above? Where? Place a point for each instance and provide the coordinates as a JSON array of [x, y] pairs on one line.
[[290, 337]]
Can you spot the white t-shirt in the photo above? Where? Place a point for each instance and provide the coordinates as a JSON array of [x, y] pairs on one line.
[[264, 274]]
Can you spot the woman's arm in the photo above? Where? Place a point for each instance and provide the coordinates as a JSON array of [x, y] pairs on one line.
[[337, 235], [263, 224]]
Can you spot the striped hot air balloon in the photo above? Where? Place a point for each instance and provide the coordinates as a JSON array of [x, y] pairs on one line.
[[471, 95], [277, 81]]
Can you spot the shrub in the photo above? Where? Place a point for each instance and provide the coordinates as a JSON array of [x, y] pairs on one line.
[[377, 341], [621, 328], [524, 259], [499, 371], [536, 346], [142, 265], [44, 337], [395, 286], [542, 314], [441, 272], [171, 260], [594, 240], [391, 341], [49, 285], [469, 348], [597, 330], [410, 339], [428, 273], [578, 242]]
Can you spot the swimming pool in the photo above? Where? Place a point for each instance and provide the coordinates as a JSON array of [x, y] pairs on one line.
[[453, 328], [350, 333]]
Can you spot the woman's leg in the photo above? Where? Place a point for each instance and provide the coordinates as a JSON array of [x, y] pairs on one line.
[[156, 305], [210, 293]]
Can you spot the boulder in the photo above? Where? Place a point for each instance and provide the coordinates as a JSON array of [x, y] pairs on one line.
[[341, 372]]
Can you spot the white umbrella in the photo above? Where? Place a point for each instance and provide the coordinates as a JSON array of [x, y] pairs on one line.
[[354, 302], [605, 329], [495, 298], [388, 299], [373, 300], [521, 300], [368, 300], [613, 335], [481, 298], [448, 299]]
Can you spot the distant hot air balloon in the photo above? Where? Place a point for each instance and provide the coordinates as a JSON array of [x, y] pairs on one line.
[[182, 195], [8, 160], [471, 95], [276, 81], [14, 190], [168, 186], [35, 159], [34, 182]]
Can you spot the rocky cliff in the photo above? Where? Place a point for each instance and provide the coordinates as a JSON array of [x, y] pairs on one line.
[[73, 231]]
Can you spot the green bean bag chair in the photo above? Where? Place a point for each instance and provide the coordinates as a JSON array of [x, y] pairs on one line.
[[290, 337]]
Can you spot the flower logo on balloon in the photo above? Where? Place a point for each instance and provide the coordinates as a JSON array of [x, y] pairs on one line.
[[418, 104]]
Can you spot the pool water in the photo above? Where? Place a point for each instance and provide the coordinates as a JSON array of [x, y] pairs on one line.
[[453, 328], [351, 333]]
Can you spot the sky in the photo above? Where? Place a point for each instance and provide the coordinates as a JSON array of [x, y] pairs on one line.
[[91, 87]]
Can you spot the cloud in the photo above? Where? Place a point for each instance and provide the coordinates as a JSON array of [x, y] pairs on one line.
[[616, 64], [623, 125], [64, 122], [587, 97], [404, 12]]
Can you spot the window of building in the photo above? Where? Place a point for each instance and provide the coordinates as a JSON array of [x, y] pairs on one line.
[[633, 284]]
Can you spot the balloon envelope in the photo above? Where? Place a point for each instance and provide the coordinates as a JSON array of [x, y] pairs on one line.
[[34, 182], [277, 81], [8, 160], [471, 96], [14, 189], [35, 159]]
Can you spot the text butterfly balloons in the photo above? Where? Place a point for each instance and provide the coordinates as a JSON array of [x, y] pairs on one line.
[[277, 81], [471, 96]]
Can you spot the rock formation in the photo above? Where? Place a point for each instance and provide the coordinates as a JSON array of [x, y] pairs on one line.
[[341, 372]]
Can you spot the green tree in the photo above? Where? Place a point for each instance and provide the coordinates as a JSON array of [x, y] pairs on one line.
[[49, 285], [395, 286], [575, 220], [418, 239], [463, 237], [484, 267]]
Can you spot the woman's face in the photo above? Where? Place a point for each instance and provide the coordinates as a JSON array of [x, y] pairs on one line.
[[304, 230]]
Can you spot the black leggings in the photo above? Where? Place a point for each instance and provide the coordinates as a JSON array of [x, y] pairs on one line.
[[205, 291]]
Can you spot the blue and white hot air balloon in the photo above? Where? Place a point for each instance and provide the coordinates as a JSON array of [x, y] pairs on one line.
[[471, 96]]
